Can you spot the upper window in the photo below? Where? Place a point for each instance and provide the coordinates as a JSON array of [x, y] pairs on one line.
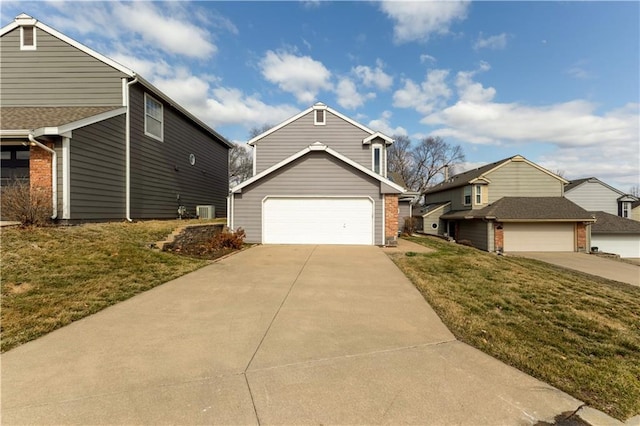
[[153, 118], [377, 159], [319, 117], [467, 195], [625, 209], [28, 38], [478, 194]]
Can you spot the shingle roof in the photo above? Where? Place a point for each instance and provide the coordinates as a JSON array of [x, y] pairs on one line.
[[462, 179], [29, 118], [575, 183], [526, 209], [611, 224]]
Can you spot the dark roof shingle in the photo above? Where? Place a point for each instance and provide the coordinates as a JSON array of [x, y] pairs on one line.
[[525, 209], [30, 118], [611, 224]]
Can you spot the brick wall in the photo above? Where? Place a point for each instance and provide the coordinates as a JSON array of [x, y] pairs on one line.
[[40, 170], [498, 237], [581, 237], [391, 219]]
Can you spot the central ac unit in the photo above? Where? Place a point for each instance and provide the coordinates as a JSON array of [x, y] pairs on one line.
[[206, 212]]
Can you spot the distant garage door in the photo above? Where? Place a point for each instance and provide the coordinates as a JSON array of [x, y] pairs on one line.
[[624, 245], [317, 221], [538, 237]]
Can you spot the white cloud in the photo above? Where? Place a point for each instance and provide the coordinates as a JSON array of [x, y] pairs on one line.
[[426, 96], [418, 20], [471, 91], [373, 77], [302, 76], [427, 58], [495, 42], [348, 95], [382, 125]]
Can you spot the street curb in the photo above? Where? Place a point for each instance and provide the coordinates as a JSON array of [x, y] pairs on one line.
[[595, 417]]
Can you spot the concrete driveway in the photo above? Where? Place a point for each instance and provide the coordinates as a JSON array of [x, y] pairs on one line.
[[271, 335], [590, 264]]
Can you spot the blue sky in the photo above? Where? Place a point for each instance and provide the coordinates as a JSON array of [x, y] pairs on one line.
[[555, 82]]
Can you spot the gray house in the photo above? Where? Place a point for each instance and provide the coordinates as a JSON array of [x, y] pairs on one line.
[[507, 206], [594, 195], [105, 143], [319, 178]]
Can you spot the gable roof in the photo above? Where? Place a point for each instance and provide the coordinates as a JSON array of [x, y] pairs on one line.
[[527, 209], [472, 176], [579, 182], [317, 146], [320, 105], [24, 19], [27, 119], [611, 224]]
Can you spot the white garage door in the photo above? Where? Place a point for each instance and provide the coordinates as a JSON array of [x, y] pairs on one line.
[[624, 245], [538, 237], [317, 221]]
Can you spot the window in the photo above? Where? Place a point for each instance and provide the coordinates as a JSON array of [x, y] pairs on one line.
[[377, 159], [28, 38], [625, 209], [153, 118], [467, 195], [319, 117], [478, 194]]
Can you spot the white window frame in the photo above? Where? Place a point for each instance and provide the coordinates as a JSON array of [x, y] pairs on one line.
[[161, 120], [626, 209], [467, 192], [30, 46], [316, 122], [374, 148], [478, 194]]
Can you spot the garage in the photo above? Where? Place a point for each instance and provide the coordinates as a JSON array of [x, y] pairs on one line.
[[539, 237], [318, 220], [623, 245]]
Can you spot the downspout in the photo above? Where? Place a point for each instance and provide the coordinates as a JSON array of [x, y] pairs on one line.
[[127, 155], [54, 174]]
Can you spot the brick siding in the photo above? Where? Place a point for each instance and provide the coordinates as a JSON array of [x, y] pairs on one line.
[[40, 169], [581, 237], [498, 237], [391, 219]]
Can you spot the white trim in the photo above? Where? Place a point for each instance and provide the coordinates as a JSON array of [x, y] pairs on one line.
[[382, 136], [317, 146], [69, 127], [255, 158], [161, 120], [383, 241], [373, 211], [33, 46], [374, 147], [66, 178], [125, 80], [316, 122]]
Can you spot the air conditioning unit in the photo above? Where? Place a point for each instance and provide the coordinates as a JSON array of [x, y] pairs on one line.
[[206, 212]]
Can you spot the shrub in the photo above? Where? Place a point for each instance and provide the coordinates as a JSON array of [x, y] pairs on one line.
[[29, 206], [465, 243], [410, 225], [228, 240]]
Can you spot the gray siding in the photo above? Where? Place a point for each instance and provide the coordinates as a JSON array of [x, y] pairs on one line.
[[160, 171], [519, 179], [315, 174], [337, 134], [56, 74], [475, 231], [404, 211], [593, 196], [97, 167], [454, 195]]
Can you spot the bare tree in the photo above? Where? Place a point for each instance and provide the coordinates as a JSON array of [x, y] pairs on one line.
[[420, 165], [635, 191], [258, 130], [240, 163]]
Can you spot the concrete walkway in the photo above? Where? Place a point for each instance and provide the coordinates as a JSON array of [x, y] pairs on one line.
[[271, 335], [590, 264]]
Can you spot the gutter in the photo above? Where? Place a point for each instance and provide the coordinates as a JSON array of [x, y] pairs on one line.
[[54, 174], [127, 155]]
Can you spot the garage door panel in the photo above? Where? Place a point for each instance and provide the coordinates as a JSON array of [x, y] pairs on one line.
[[539, 237], [318, 221], [624, 245]]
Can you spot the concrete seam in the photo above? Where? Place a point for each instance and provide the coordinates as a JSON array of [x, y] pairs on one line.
[[253, 402], [279, 308]]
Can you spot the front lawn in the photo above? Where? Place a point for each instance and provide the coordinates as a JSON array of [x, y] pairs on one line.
[[55, 275], [576, 332]]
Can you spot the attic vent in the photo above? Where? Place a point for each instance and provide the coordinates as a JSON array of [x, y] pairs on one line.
[[28, 38], [206, 212]]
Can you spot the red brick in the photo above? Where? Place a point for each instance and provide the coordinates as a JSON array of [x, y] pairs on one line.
[[391, 219]]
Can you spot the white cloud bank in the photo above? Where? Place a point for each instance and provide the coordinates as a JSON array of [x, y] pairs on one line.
[[495, 42]]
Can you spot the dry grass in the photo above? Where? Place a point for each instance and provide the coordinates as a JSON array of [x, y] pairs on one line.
[[52, 276], [579, 333]]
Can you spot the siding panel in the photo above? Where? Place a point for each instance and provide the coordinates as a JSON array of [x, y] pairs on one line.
[[315, 174], [593, 196], [56, 74], [475, 231], [519, 179]]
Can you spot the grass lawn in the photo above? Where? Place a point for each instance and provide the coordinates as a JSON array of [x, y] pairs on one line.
[[579, 333], [53, 276]]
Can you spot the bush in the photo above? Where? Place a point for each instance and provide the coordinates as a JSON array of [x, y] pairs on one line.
[[29, 206], [228, 240], [410, 225]]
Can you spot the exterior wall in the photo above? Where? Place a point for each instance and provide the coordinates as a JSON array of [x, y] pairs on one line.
[[40, 177], [337, 134], [519, 179], [432, 218], [404, 211], [97, 171], [161, 172], [391, 219], [581, 237], [498, 237], [635, 213], [454, 195], [56, 74], [315, 174], [592, 196], [475, 231]]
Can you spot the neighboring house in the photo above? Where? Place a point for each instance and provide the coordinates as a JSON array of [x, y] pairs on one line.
[[614, 234], [319, 178], [507, 206], [635, 210], [101, 140], [594, 195]]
